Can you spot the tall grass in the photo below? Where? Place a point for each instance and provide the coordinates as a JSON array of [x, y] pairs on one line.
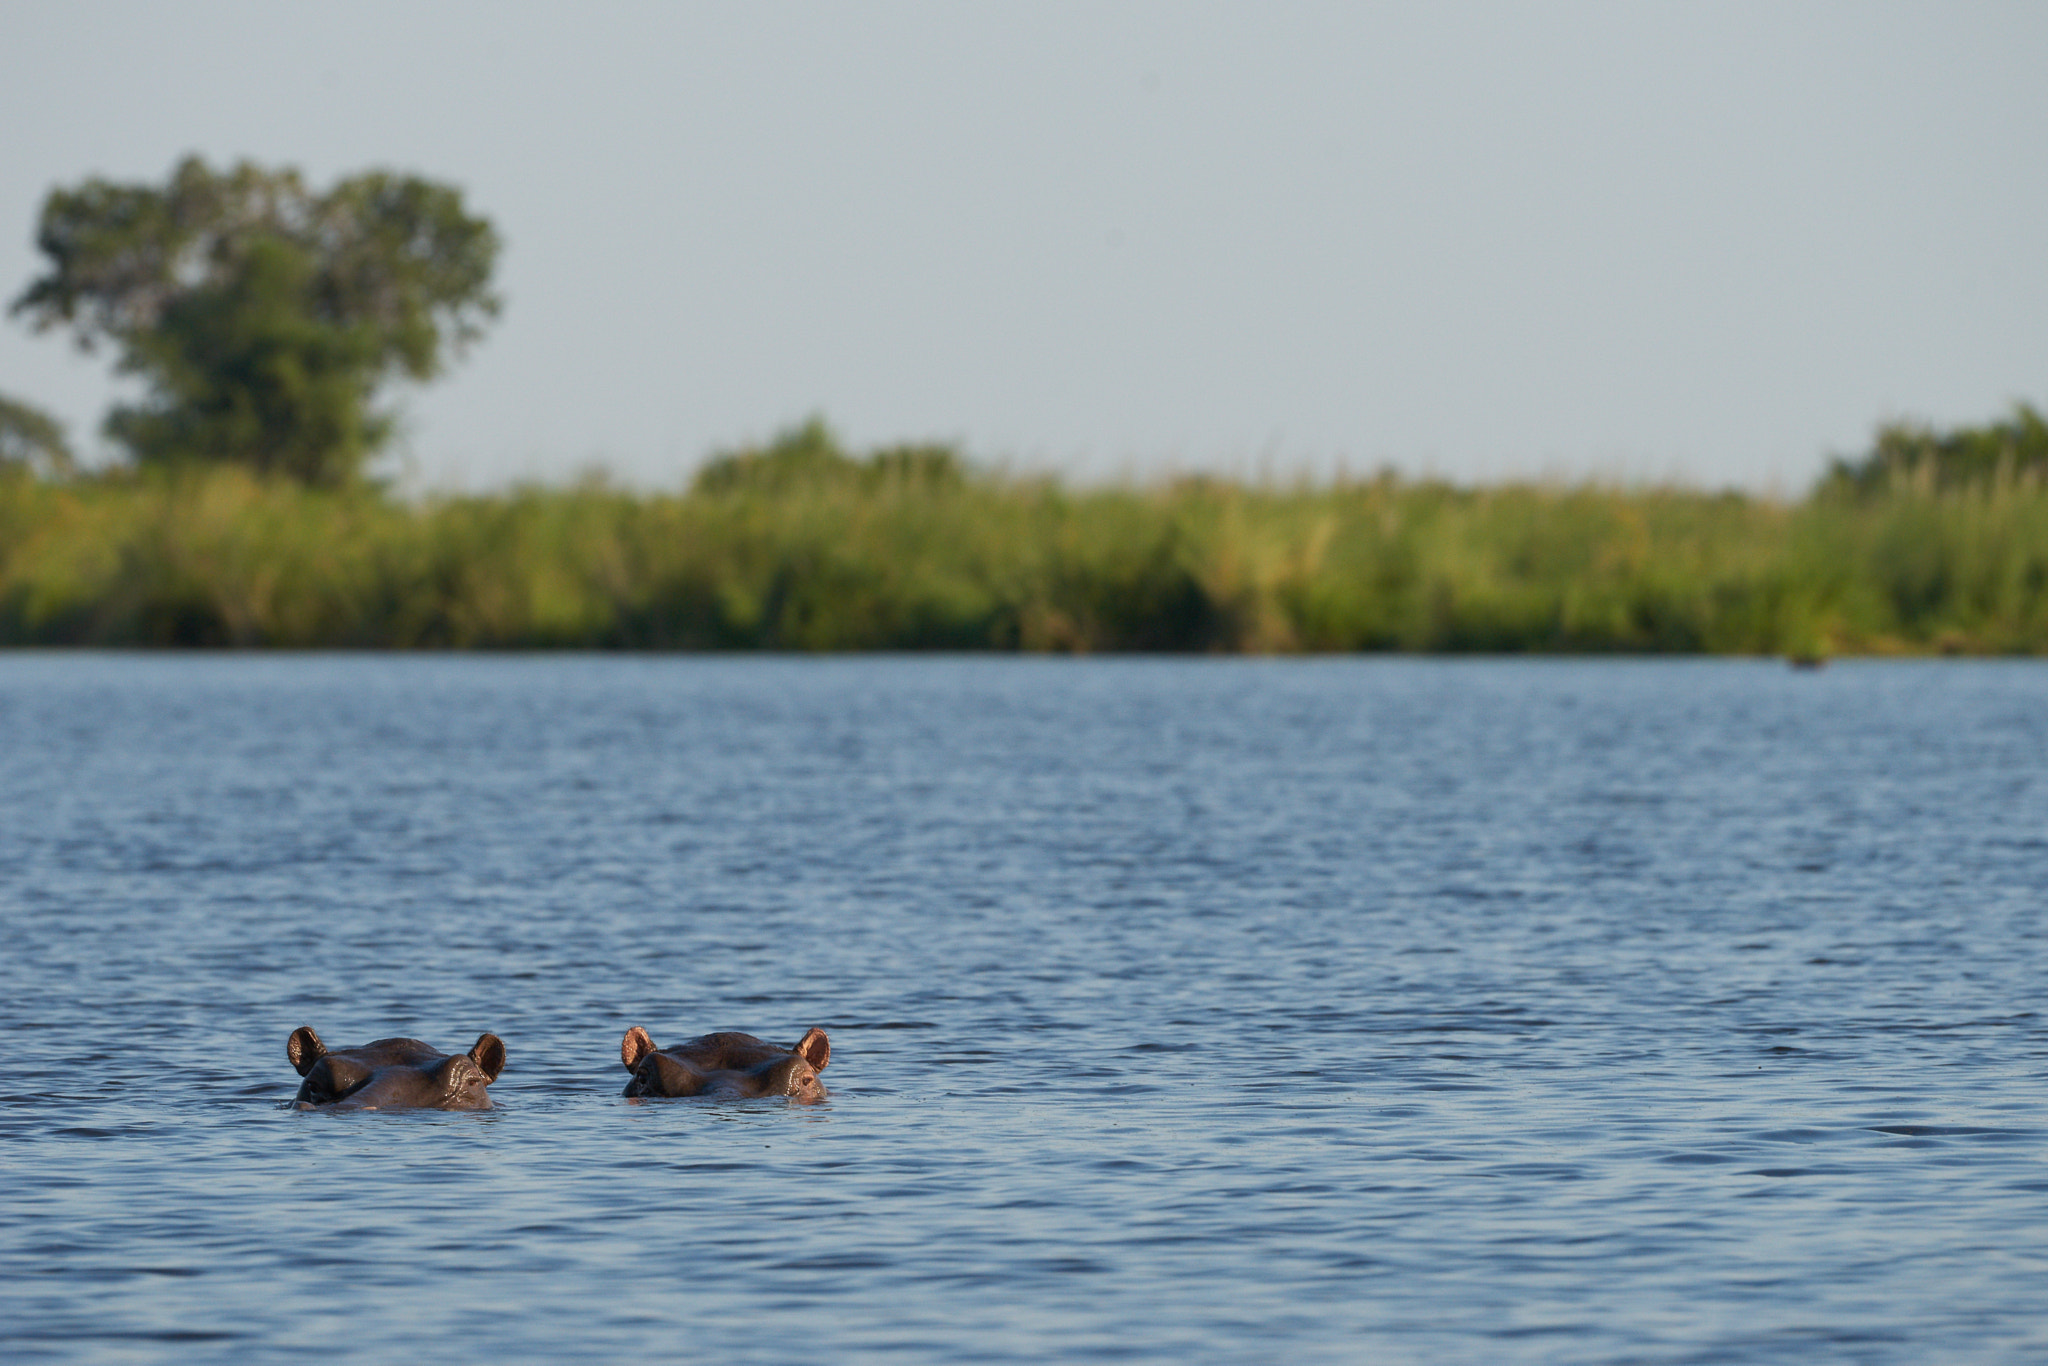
[[907, 550]]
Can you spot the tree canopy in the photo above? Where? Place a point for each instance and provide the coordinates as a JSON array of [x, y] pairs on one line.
[[264, 316], [30, 439]]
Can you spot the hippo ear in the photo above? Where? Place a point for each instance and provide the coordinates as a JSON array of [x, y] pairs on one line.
[[635, 1046], [489, 1056], [304, 1049], [814, 1048]]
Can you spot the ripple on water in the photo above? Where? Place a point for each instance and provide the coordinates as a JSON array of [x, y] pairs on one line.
[[1181, 1010]]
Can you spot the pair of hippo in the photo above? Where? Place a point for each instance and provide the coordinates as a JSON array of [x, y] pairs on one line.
[[395, 1074]]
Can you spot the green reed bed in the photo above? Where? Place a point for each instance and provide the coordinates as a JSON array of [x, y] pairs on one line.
[[907, 550]]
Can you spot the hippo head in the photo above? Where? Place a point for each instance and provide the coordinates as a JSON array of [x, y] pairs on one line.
[[394, 1074], [729, 1066]]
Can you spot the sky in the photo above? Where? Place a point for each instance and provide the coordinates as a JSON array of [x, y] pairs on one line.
[[1712, 243]]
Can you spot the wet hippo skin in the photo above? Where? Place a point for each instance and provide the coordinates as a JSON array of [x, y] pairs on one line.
[[394, 1074], [729, 1066]]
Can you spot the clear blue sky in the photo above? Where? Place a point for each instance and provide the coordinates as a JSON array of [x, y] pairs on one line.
[[1712, 242]]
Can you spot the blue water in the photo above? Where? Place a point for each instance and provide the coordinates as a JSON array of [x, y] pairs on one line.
[[1183, 1010]]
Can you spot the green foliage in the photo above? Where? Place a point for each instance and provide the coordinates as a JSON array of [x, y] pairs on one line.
[[1908, 458], [33, 441], [263, 316], [803, 545], [220, 556], [809, 456]]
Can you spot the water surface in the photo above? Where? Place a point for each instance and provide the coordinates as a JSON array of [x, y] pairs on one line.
[[1181, 1010]]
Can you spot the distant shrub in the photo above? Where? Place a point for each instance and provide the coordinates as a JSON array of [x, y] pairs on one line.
[[810, 457], [1911, 458]]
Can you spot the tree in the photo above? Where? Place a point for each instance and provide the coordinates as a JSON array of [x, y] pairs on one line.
[[32, 440], [264, 317]]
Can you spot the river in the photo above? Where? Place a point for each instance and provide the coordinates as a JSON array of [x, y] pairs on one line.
[[1181, 1010]]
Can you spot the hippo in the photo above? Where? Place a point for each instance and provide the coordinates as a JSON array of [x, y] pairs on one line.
[[727, 1066], [393, 1074]]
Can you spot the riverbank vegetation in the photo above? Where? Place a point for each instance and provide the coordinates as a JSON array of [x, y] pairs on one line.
[[800, 545], [264, 318]]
